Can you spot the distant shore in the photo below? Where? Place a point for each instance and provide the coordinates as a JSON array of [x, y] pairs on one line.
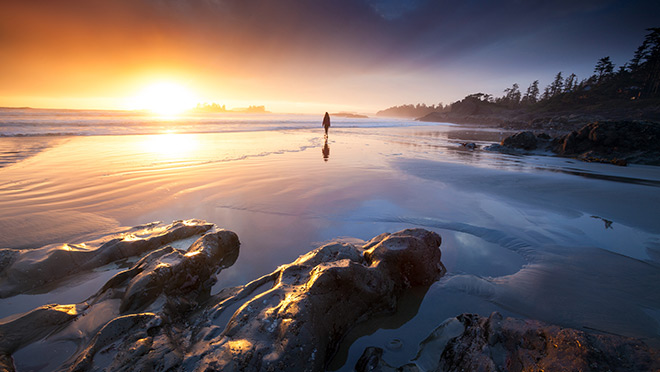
[[553, 121], [349, 115]]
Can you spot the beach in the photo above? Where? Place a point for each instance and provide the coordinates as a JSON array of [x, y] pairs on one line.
[[535, 237]]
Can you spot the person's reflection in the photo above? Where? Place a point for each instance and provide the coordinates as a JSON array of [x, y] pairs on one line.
[[326, 150]]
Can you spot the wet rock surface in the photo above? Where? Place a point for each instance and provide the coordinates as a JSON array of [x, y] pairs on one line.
[[615, 142], [159, 314], [471, 342], [298, 322], [25, 269]]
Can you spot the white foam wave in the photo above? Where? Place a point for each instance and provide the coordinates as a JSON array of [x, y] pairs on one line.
[[33, 122]]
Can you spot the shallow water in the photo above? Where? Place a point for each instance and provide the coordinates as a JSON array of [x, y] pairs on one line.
[[571, 243]]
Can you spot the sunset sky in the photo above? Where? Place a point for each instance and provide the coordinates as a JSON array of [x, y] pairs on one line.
[[303, 55]]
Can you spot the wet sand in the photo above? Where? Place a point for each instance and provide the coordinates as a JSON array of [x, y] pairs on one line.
[[526, 236]]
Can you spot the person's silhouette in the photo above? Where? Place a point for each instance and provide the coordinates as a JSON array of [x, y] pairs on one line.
[[326, 123], [326, 150]]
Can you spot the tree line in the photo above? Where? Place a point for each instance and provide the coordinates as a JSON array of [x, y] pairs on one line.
[[412, 111], [638, 79]]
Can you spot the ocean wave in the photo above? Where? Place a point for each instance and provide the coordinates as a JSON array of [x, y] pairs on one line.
[[32, 123]]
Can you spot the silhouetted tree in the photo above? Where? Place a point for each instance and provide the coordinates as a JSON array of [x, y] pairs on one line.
[[570, 84], [546, 93], [532, 94], [512, 95], [604, 68], [623, 69], [640, 78], [557, 85], [645, 65]]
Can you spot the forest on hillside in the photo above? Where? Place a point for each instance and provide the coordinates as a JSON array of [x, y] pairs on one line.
[[609, 87]]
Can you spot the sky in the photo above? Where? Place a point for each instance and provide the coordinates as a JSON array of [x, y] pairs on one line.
[[304, 55]]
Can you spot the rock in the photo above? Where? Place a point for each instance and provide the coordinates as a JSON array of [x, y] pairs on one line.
[[291, 319], [521, 140], [298, 323], [470, 145], [617, 142], [181, 280], [497, 344], [180, 276], [523, 143], [614, 142], [34, 325], [119, 329], [22, 270]]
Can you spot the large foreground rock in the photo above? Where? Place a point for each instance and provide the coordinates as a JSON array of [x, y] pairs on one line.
[[162, 317], [471, 342], [297, 324]]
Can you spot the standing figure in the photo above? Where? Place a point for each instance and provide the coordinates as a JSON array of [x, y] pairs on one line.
[[326, 123]]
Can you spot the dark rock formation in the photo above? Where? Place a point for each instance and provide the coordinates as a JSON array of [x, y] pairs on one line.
[[555, 120], [291, 319], [496, 344], [521, 140], [470, 145], [523, 143], [616, 142]]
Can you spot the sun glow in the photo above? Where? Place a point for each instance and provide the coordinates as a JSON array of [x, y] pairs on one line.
[[171, 145], [164, 98]]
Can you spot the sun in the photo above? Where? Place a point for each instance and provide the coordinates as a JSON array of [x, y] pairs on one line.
[[165, 98]]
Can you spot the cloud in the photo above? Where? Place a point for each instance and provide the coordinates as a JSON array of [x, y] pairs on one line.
[[72, 44]]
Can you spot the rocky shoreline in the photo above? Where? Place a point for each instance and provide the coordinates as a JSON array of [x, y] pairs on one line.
[[550, 121], [159, 313], [614, 142], [471, 342]]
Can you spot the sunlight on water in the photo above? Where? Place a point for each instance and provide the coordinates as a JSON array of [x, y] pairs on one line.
[[171, 145]]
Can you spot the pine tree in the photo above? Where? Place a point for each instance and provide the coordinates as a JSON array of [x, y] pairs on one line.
[[512, 96], [546, 93], [570, 84], [532, 93], [604, 68], [557, 85], [649, 64]]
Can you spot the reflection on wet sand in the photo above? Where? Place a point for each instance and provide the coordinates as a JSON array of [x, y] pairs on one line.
[[17, 149], [326, 150], [171, 145]]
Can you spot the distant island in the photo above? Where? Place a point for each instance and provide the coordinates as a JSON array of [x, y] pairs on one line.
[[411, 111], [350, 115], [217, 108], [629, 92]]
